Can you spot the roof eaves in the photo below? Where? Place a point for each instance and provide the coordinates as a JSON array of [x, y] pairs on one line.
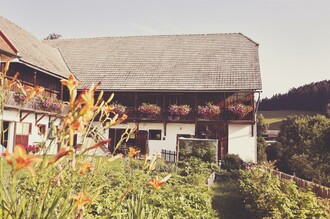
[[10, 44], [176, 91], [6, 53], [257, 44], [41, 69]]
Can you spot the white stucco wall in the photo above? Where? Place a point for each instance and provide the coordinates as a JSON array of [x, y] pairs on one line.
[[241, 141], [13, 116], [167, 142]]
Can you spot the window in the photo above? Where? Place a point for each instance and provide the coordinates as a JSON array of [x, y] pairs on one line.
[[23, 128], [155, 134], [41, 129]]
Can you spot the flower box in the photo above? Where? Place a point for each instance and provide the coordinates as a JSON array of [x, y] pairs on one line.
[[19, 97], [179, 110], [238, 111], [118, 108], [56, 106], [209, 111], [150, 111], [49, 104]]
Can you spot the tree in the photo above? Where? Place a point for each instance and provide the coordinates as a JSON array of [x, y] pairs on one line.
[[309, 97], [262, 127], [53, 36], [303, 148]]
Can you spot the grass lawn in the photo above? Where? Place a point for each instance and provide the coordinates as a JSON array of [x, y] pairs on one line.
[[227, 200], [275, 118]]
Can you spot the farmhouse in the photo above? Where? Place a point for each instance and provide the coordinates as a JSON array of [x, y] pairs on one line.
[[193, 86]]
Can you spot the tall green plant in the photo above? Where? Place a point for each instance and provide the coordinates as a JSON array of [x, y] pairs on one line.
[[265, 196], [62, 185]]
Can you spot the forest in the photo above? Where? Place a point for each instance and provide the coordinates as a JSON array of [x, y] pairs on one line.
[[310, 97]]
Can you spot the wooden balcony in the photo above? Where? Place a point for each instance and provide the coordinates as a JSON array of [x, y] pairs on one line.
[[32, 105], [134, 115]]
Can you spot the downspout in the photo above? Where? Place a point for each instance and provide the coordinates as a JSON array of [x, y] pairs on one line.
[[258, 102]]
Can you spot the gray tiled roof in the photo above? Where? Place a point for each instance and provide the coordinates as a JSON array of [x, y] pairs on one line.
[[33, 51], [171, 62]]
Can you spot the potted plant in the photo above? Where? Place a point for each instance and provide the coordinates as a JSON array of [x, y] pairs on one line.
[[56, 105], [149, 110], [19, 97], [118, 108], [178, 111], [44, 102], [209, 111], [239, 110]]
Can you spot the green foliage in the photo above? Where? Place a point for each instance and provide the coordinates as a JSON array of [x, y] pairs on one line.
[[194, 165], [303, 148], [127, 195], [266, 197], [232, 162], [262, 126], [181, 199], [204, 150], [261, 149]]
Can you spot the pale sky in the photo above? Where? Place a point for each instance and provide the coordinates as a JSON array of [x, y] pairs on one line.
[[294, 35]]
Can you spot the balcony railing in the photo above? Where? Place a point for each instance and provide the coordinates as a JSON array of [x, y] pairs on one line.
[[33, 105], [133, 114]]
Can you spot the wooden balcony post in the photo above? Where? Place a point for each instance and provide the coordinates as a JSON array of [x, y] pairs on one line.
[[61, 92], [135, 105], [34, 78], [164, 109]]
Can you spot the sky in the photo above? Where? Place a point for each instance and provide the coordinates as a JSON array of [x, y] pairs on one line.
[[293, 35]]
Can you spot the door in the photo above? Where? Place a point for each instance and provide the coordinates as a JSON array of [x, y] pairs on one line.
[[142, 141], [23, 130]]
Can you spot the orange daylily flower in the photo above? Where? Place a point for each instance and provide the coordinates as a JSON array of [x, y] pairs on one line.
[[156, 184], [12, 82], [85, 166], [81, 199], [132, 152], [61, 153], [71, 83], [120, 120], [22, 159], [6, 66], [34, 91], [86, 98], [8, 157]]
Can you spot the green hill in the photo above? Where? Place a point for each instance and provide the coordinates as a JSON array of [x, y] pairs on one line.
[[274, 118]]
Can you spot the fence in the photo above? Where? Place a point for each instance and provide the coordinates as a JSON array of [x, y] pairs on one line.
[[319, 190], [168, 155]]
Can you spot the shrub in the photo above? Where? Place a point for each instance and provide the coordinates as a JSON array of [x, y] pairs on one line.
[[204, 150], [232, 162], [265, 196], [194, 165]]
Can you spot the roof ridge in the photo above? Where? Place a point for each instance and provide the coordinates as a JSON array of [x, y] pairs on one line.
[[138, 36]]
